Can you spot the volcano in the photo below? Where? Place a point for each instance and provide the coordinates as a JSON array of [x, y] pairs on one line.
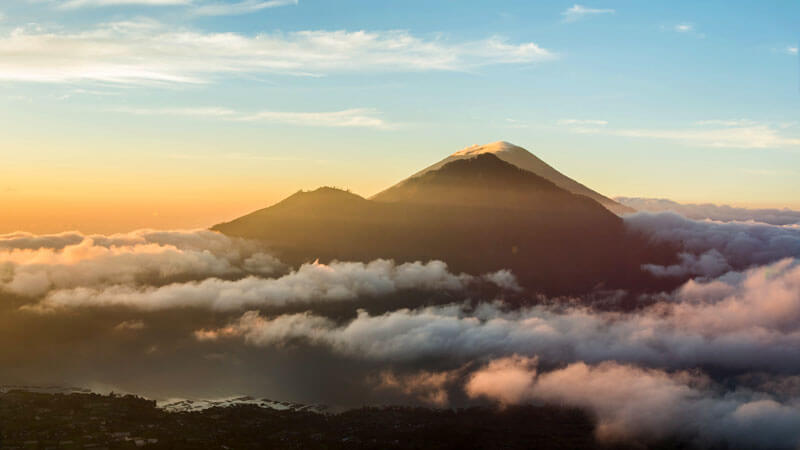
[[516, 156], [478, 213]]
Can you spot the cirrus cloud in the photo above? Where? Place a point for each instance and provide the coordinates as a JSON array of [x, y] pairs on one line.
[[148, 52]]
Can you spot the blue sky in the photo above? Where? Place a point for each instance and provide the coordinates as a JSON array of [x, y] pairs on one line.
[[246, 101]]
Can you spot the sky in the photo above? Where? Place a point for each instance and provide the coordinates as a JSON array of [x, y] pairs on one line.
[[125, 114]]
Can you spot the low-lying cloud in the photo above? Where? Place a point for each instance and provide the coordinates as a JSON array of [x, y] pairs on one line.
[[721, 213], [711, 248], [739, 322], [310, 283], [33, 265], [710, 362], [633, 402]]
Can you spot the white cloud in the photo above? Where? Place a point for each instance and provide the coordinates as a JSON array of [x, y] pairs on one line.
[[360, 117], [744, 321], [348, 118], [791, 50], [577, 12], [713, 248], [709, 133], [683, 28], [33, 265], [149, 52], [310, 283], [582, 122], [243, 7], [192, 112], [633, 402]]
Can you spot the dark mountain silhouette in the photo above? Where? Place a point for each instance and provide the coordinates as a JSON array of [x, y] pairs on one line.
[[523, 159], [478, 215]]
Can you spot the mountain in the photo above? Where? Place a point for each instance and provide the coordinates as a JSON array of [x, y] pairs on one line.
[[521, 158], [479, 215]]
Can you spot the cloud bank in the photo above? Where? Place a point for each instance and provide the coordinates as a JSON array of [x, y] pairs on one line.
[[632, 402], [722, 213], [711, 362], [313, 282], [712, 248], [33, 265], [740, 322]]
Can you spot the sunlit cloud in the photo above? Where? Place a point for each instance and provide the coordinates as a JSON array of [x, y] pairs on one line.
[[631, 401], [791, 50], [148, 52], [577, 12], [348, 118], [357, 118]]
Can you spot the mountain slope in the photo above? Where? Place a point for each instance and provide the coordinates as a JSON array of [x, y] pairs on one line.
[[521, 158], [479, 215]]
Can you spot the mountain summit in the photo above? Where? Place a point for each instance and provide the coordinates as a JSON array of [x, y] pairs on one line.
[[523, 159], [478, 214]]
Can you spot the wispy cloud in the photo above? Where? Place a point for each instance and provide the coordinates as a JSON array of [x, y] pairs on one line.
[[739, 133], [199, 7], [193, 112], [348, 118], [140, 52], [577, 12], [582, 122], [684, 28], [791, 50], [243, 7], [71, 4]]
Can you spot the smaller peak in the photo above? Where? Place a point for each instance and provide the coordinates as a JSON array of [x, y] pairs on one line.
[[324, 192], [494, 147]]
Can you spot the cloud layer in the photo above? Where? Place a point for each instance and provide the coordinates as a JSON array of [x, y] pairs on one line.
[[33, 265], [722, 213], [712, 248], [740, 322], [632, 402], [713, 361], [310, 283]]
